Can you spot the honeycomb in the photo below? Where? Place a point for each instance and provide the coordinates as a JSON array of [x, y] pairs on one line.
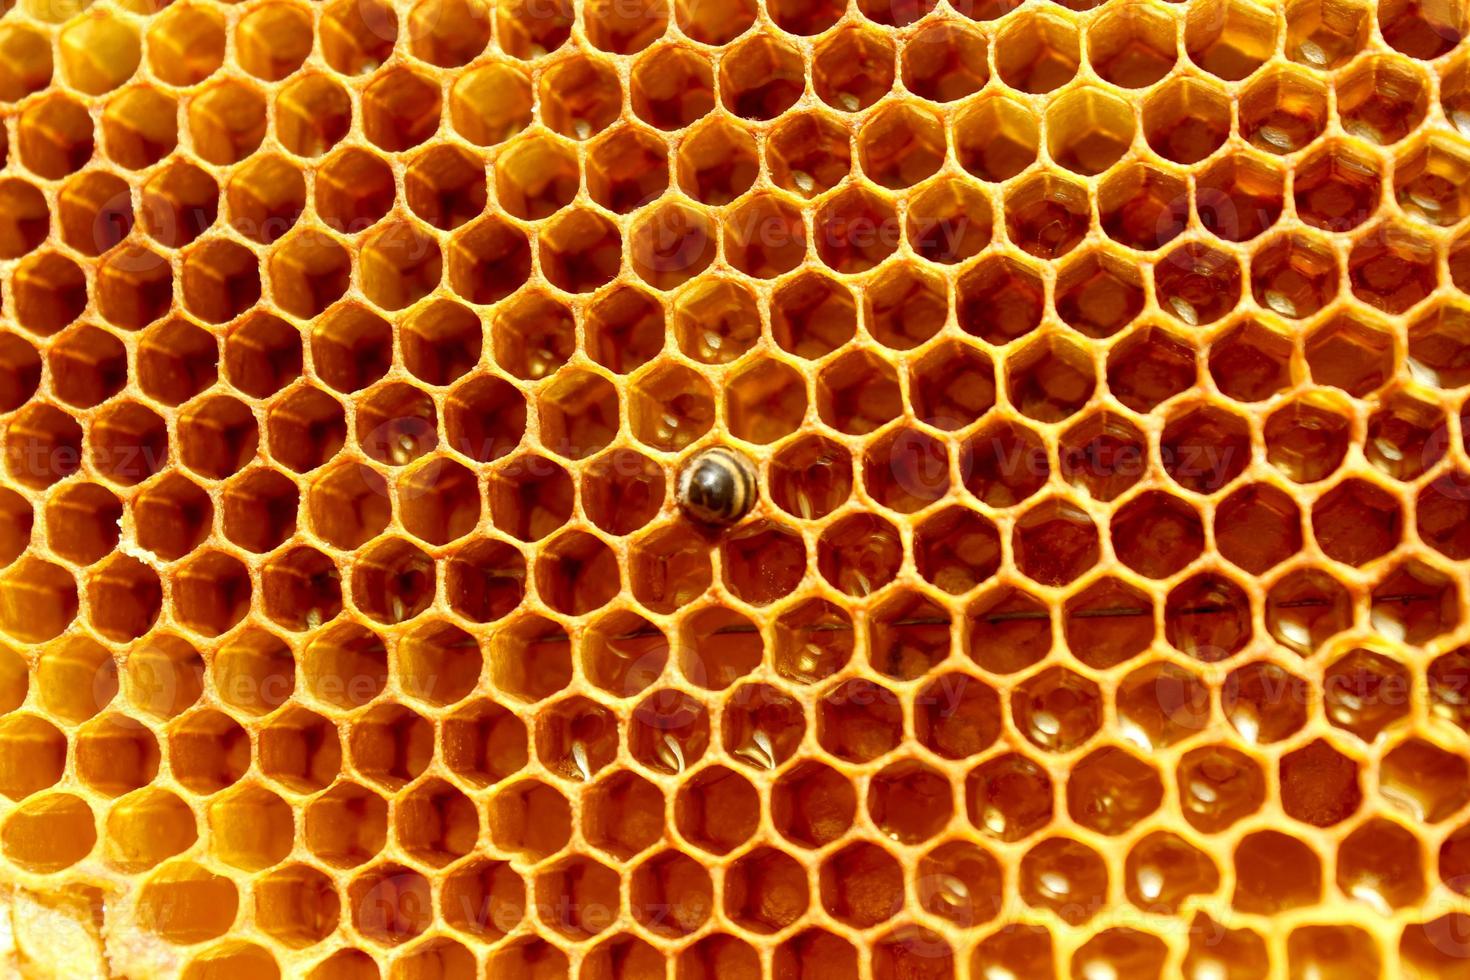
[[1105, 367]]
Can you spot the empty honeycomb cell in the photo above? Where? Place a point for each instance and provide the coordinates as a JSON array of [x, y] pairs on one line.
[[995, 138], [28, 61], [54, 137], [1186, 120], [904, 305], [1251, 362], [1264, 702], [146, 828], [1065, 876], [671, 87], [36, 755], [1047, 215], [49, 833], [134, 287], [999, 299], [1257, 527], [1392, 268], [1098, 295], [95, 212]]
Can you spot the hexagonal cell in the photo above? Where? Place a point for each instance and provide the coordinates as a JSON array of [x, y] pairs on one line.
[[945, 61], [82, 523], [251, 828], [1319, 785], [1208, 617], [393, 582], [1365, 691], [50, 292], [54, 137], [579, 97], [764, 236], [391, 745], [1219, 785], [1187, 120], [576, 573], [996, 138], [1143, 208], [671, 87], [390, 904], [95, 212], [42, 445], [855, 230], [1104, 455], [1294, 276], [400, 109], [1098, 294], [446, 187], [435, 823], [20, 371], [484, 418], [1230, 38], [1392, 268], [536, 176], [313, 114], [1405, 436], [353, 190], [1197, 284], [265, 198], [262, 354], [1441, 511], [49, 833], [671, 407], [949, 222], [1283, 111], [904, 305], [671, 894], [900, 146], [716, 321], [852, 68], [305, 428], [1427, 183], [812, 805], [1008, 630], [1203, 448], [1057, 710], [208, 751], [254, 672], [1325, 35], [438, 500], [178, 203], [125, 598], [220, 280], [300, 750], [227, 121], [579, 414], [626, 169], [669, 732], [622, 490], [1423, 31], [1264, 702], [396, 423], [1050, 379], [441, 341], [1257, 527], [1065, 876], [309, 272], [1164, 869], [1047, 215], [862, 885], [716, 810], [765, 890], [1054, 542], [1251, 362], [669, 568], [36, 755], [38, 600], [1038, 55], [1088, 130], [1337, 188], [147, 828], [1356, 522], [1241, 196], [484, 898], [297, 905], [1308, 439], [717, 647], [530, 818], [530, 658], [580, 251], [1306, 608], [399, 265]]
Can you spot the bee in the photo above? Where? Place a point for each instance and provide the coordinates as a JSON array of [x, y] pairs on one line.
[[717, 486]]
